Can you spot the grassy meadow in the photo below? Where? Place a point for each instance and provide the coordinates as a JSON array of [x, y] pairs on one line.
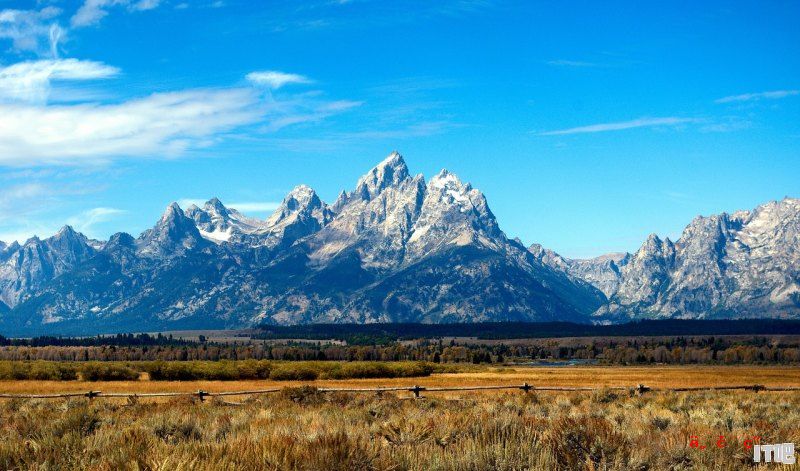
[[302, 429]]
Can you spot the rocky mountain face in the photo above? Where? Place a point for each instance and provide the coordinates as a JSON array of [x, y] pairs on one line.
[[395, 248], [745, 264], [24, 269]]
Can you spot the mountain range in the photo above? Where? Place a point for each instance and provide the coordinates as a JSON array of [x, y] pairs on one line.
[[397, 248]]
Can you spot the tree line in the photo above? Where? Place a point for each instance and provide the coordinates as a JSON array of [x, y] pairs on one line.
[[674, 350]]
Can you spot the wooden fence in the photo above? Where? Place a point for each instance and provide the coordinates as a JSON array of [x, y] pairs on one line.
[[639, 389]]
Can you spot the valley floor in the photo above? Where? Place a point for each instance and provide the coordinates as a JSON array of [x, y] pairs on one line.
[[301, 429], [583, 376]]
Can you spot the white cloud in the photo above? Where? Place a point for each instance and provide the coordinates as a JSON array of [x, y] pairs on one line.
[[92, 11], [23, 204], [571, 63], [34, 31], [13, 197], [619, 126], [86, 127], [143, 5], [298, 112], [186, 202], [726, 124], [274, 79], [162, 124], [30, 81], [771, 95], [85, 221]]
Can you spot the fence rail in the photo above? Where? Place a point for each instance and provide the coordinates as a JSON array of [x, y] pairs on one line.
[[416, 390]]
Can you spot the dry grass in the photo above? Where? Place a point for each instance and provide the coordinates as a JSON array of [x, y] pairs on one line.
[[302, 429], [596, 376]]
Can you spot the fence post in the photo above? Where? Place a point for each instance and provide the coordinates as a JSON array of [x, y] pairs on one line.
[[416, 390], [526, 387], [92, 394], [758, 387], [202, 395]]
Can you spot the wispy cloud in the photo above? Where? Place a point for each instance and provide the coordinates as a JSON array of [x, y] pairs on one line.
[[31, 81], [14, 197], [92, 11], [274, 79], [622, 125], [86, 221], [162, 124], [34, 132], [305, 110], [348, 139], [771, 95], [726, 124], [571, 63], [30, 208], [413, 130], [34, 31]]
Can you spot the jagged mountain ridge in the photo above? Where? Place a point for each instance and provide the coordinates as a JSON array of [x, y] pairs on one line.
[[396, 248], [745, 264]]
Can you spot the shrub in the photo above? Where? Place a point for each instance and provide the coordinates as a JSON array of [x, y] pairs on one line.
[[379, 370], [97, 371], [175, 430], [39, 370], [303, 395], [53, 371], [577, 441], [207, 370], [289, 372], [81, 421], [253, 369], [224, 370]]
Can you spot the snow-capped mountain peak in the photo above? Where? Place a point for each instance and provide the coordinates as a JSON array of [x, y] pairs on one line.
[[744, 264], [396, 248], [171, 236], [302, 199], [218, 223], [172, 211], [390, 172]]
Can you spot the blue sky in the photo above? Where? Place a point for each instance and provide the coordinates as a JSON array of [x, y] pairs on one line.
[[588, 125]]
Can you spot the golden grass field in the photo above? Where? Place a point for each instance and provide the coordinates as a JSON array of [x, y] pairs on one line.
[[301, 429], [594, 376]]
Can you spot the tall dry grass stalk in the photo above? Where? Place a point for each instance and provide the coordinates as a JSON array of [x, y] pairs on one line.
[[302, 429]]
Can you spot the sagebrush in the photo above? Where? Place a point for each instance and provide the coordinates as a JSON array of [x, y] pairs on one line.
[[303, 429]]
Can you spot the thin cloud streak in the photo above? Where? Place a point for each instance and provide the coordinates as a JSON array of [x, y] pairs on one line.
[[85, 221], [771, 95], [620, 126], [162, 124], [31, 81], [275, 79], [571, 63], [93, 11], [34, 31], [34, 132]]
